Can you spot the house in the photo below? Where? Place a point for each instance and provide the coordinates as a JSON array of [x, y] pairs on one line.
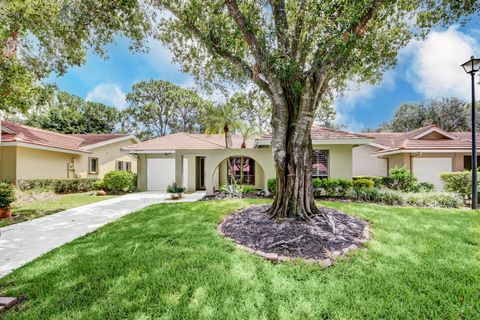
[[426, 151], [202, 162], [32, 153]]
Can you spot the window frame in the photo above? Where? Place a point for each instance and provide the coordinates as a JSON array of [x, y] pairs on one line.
[[90, 161], [128, 166], [119, 166], [327, 157], [248, 179]]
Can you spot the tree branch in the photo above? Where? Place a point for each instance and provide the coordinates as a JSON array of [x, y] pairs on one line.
[[298, 29], [281, 23]]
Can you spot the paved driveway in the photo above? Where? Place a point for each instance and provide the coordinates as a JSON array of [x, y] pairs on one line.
[[21, 243]]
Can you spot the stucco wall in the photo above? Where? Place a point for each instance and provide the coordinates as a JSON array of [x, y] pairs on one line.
[[8, 164], [339, 161], [108, 156], [399, 160], [42, 164], [366, 165]]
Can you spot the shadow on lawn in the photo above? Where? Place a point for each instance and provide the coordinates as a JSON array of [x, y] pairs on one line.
[[168, 261]]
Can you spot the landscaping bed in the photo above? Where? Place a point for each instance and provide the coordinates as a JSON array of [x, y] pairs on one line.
[[219, 195], [293, 238]]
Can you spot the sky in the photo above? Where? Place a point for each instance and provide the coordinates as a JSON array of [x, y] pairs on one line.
[[426, 69]]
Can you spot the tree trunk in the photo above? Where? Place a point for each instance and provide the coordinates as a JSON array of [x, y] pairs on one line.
[[292, 150]]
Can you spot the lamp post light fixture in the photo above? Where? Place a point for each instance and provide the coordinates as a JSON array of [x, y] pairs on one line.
[[471, 67]]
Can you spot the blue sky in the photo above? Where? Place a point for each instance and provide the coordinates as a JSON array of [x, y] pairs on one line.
[[426, 69]]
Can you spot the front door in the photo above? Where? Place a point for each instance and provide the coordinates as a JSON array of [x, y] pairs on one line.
[[200, 173]]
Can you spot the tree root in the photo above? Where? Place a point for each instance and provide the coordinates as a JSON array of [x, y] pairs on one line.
[[284, 243]]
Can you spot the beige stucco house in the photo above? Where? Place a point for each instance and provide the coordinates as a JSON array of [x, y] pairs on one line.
[[426, 151], [202, 162], [32, 153]]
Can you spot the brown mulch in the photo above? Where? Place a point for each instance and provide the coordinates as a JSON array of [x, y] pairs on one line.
[[253, 228], [217, 195]]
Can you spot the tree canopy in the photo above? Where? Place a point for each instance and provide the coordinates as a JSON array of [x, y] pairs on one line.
[[450, 114], [67, 113], [159, 107], [38, 37]]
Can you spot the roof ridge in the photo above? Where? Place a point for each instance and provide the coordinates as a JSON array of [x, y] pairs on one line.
[[342, 131], [202, 139]]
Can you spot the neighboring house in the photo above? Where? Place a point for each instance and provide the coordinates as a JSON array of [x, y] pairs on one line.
[[426, 151], [201, 162], [32, 153]]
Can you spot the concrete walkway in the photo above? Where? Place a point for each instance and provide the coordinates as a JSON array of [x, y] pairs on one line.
[[21, 243]]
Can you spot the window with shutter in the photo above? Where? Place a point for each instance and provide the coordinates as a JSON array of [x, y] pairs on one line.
[[320, 164]]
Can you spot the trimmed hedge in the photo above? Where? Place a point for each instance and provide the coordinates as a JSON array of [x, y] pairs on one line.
[[363, 183], [272, 185], [59, 185], [331, 187], [119, 181], [459, 182], [7, 195], [377, 180], [398, 198]]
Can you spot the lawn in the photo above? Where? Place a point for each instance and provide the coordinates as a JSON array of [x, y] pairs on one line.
[[167, 262], [28, 211]]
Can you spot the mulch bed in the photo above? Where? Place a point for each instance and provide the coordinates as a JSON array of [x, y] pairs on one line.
[[217, 195], [253, 229]]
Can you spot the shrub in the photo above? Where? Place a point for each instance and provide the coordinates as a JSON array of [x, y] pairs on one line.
[[272, 185], [7, 195], [119, 181], [175, 188], [422, 187], [99, 185], [459, 182], [363, 183], [232, 190], [400, 178], [29, 184], [377, 180], [331, 187], [73, 185], [247, 189]]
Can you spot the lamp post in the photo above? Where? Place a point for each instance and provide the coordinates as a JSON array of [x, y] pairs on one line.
[[471, 67]]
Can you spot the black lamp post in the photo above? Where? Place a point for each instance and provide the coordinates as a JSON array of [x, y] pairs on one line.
[[471, 67]]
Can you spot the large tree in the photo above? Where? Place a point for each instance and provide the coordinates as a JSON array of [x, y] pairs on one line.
[[254, 107], [450, 114], [296, 51], [159, 107], [38, 37], [67, 113]]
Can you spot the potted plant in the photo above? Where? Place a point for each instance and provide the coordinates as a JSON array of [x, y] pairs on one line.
[[7, 197], [175, 191]]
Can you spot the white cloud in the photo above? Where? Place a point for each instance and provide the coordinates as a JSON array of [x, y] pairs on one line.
[[435, 64], [108, 93]]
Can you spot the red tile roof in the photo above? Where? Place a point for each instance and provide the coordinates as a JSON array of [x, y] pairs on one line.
[[412, 140], [35, 136]]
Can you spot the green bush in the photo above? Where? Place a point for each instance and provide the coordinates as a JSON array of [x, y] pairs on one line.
[[29, 184], [459, 182], [272, 185], [376, 180], [398, 198], [99, 185], [73, 185], [119, 181], [7, 195], [247, 189], [232, 190], [422, 187], [363, 183], [331, 187], [400, 178], [175, 188]]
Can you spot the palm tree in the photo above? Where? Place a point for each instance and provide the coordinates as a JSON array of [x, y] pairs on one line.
[[221, 118]]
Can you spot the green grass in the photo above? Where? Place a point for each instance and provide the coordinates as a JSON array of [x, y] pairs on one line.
[[32, 210], [167, 262]]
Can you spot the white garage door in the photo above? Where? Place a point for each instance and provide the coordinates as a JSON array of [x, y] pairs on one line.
[[161, 173], [429, 169]]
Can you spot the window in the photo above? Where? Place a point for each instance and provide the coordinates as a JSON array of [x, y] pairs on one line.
[[128, 166], [467, 162], [92, 165], [119, 165], [245, 175], [320, 164]]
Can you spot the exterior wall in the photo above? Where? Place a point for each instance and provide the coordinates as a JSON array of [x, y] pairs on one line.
[[42, 164], [107, 155], [366, 165], [339, 160], [8, 164], [143, 167], [399, 160], [340, 165]]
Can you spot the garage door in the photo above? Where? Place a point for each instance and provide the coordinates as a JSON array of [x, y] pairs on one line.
[[429, 169], [161, 173]]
